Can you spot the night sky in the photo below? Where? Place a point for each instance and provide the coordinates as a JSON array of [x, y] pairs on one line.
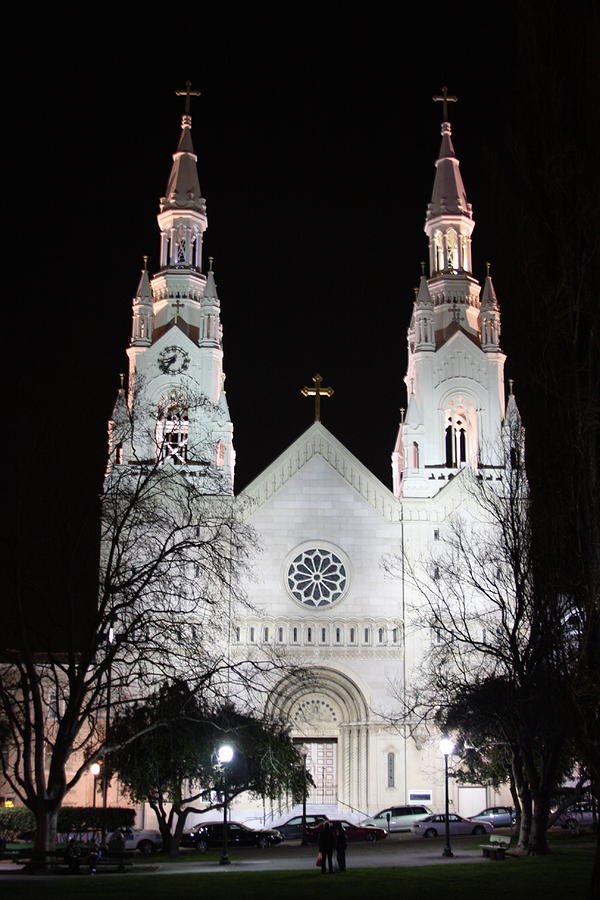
[[316, 136]]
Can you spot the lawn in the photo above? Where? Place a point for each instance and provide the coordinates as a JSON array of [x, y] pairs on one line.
[[564, 874]]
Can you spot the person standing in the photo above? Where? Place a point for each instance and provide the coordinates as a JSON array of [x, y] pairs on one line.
[[326, 845], [341, 842]]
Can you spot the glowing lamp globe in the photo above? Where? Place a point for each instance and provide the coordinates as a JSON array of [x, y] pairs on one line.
[[446, 746], [225, 753]]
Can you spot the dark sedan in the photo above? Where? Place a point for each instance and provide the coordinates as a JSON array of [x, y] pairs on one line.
[[353, 832], [210, 834], [292, 829]]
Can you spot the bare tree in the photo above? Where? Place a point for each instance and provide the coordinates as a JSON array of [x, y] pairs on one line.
[[494, 637], [174, 546]]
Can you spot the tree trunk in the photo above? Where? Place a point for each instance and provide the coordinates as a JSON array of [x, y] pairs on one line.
[[45, 838], [538, 839], [524, 803]]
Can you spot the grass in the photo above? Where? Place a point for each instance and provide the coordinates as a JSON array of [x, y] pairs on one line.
[[565, 873]]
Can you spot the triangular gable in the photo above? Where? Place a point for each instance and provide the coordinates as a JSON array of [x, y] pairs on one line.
[[318, 440]]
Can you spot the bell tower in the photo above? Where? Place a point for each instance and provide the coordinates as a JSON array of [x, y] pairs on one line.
[[455, 375], [174, 411]]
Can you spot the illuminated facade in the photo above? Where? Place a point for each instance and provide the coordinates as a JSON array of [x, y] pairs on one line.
[[321, 595]]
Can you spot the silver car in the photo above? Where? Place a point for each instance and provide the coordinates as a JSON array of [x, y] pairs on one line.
[[434, 826], [499, 816], [577, 815], [398, 818]]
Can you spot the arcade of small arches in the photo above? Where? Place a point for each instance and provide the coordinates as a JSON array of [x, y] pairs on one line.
[[181, 245], [450, 252]]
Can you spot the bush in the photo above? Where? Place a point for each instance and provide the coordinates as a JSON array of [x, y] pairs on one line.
[[14, 820], [71, 819]]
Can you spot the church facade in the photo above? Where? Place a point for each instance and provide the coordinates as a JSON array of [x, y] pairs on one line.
[[321, 595]]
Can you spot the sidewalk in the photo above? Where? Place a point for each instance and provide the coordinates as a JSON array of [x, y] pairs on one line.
[[291, 856]]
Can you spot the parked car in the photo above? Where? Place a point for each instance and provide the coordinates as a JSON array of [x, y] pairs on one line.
[[293, 827], [577, 815], [499, 816], [210, 834], [353, 832], [435, 825], [146, 840], [401, 817]]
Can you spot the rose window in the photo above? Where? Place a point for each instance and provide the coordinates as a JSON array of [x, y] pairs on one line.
[[317, 577]]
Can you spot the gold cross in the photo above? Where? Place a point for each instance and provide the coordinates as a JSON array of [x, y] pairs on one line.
[[445, 99], [187, 94], [316, 392]]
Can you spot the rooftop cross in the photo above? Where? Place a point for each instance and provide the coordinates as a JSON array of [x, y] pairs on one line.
[[316, 392], [445, 98], [179, 305], [187, 94]]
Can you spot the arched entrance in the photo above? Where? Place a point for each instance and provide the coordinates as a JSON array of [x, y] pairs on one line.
[[329, 718]]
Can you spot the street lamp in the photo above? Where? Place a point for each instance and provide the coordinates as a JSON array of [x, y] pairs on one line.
[[447, 746], [304, 838], [225, 755], [95, 770]]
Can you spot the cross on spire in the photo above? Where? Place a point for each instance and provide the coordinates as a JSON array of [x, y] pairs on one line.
[[187, 94], [179, 305], [445, 98], [316, 392]]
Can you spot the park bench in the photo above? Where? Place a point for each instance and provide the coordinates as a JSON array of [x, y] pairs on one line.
[[496, 847], [56, 861]]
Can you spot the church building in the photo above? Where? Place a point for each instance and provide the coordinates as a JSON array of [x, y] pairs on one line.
[[321, 595]]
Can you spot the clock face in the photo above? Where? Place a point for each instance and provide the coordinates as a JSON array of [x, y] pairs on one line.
[[173, 360]]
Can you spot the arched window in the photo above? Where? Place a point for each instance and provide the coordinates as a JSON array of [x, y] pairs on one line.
[[456, 437], [438, 252], [451, 250], [172, 430], [415, 455]]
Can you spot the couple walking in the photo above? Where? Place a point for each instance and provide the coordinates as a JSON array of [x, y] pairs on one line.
[[332, 837]]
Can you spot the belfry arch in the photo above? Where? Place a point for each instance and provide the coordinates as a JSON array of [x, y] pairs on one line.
[[329, 717]]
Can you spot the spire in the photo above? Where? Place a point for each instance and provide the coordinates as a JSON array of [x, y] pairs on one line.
[[423, 295], [211, 297], [449, 219], [144, 292], [117, 427], [182, 217], [398, 463], [183, 189], [141, 330], [449, 196], [488, 296], [489, 316]]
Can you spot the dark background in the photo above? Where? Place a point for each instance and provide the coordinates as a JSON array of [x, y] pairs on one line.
[[316, 136]]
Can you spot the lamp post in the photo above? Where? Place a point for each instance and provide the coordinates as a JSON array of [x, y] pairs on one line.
[[446, 746], [95, 770], [304, 838], [225, 755]]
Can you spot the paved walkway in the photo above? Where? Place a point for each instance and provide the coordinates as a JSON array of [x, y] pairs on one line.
[[398, 850]]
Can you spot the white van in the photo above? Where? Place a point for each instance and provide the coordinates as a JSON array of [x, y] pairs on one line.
[[400, 817]]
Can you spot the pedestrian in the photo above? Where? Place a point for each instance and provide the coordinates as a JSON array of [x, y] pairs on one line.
[[116, 848], [93, 856], [341, 842], [72, 856], [326, 846]]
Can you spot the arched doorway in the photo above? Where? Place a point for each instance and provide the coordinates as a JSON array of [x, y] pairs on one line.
[[329, 719]]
